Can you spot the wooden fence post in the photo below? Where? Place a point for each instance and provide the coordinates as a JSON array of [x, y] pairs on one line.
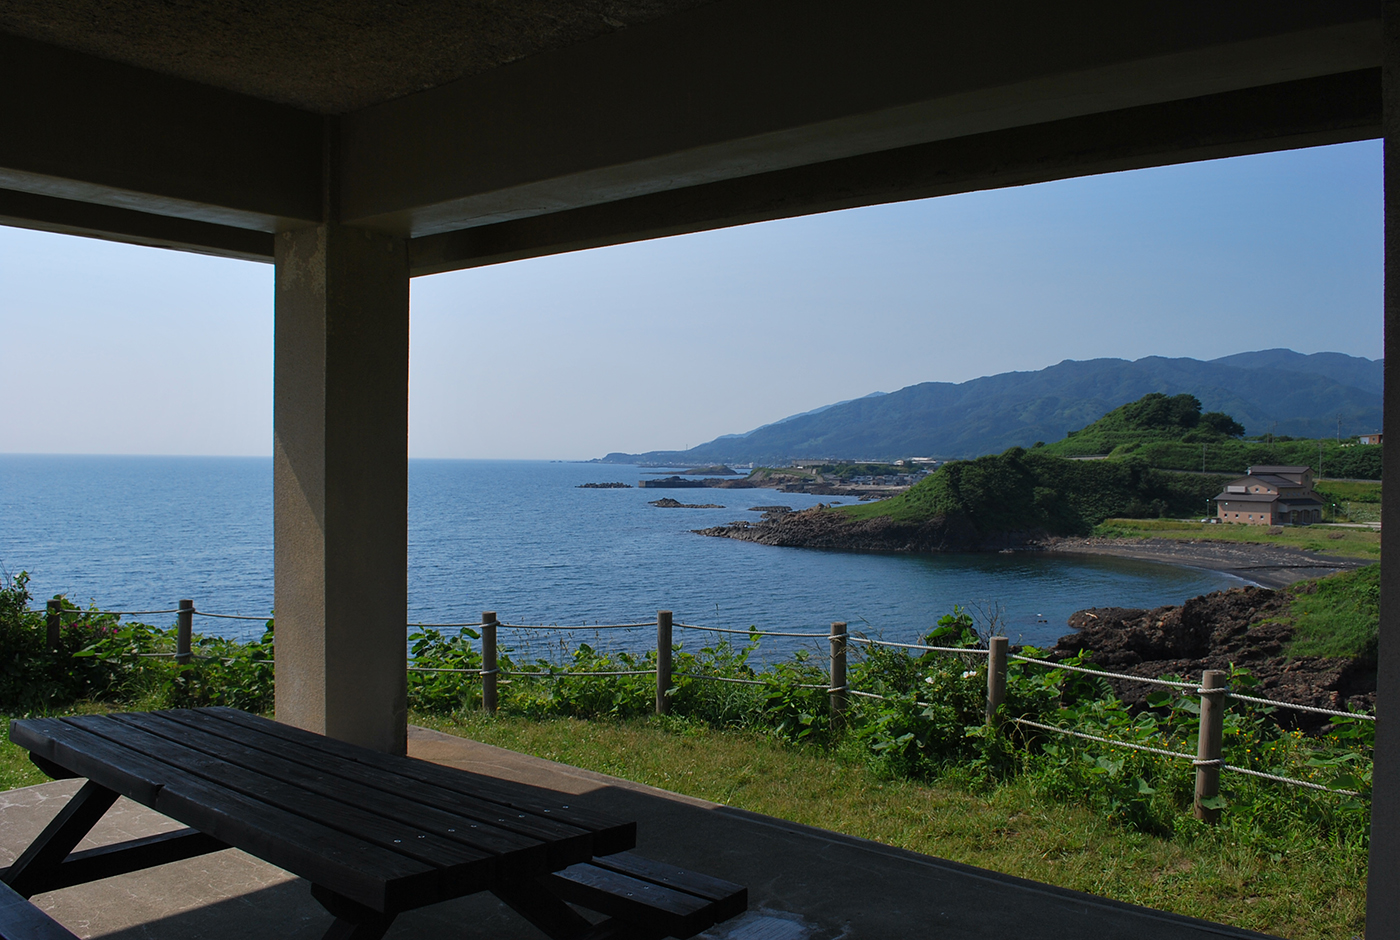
[[837, 690], [184, 628], [996, 674], [1209, 743], [52, 622], [663, 662], [488, 661]]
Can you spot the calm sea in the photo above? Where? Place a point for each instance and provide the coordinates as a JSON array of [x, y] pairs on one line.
[[520, 538]]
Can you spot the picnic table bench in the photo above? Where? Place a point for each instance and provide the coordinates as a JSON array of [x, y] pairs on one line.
[[373, 833]]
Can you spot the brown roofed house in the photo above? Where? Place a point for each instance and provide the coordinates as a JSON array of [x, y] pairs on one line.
[[1270, 495]]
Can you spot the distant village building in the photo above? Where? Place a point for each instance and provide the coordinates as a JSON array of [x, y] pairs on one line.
[[1370, 438], [1270, 496]]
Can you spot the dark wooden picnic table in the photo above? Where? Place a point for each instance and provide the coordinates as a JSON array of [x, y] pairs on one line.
[[374, 834]]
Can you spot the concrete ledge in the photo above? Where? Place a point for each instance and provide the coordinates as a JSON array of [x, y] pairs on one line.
[[804, 883]]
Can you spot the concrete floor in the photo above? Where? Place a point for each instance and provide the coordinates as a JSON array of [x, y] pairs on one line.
[[804, 883]]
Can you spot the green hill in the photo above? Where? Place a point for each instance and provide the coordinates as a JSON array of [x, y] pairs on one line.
[[1171, 433], [1153, 418], [1031, 490]]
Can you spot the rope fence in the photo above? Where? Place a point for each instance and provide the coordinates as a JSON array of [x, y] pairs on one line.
[[919, 646], [1255, 700], [1104, 674], [1213, 689], [805, 636], [1215, 763]]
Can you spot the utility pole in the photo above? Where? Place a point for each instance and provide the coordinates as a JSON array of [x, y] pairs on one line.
[[1203, 458]]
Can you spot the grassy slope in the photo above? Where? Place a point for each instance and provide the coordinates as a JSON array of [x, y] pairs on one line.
[[1349, 543], [1011, 830], [1357, 491], [1337, 616]]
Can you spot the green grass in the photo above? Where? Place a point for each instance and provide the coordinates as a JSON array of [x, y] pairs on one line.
[[1348, 543], [16, 770], [1012, 829], [1358, 491], [1305, 895], [1338, 615], [1358, 501]]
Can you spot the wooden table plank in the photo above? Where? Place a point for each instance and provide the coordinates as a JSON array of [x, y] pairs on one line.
[[461, 866], [376, 877], [565, 844], [609, 833], [521, 852]]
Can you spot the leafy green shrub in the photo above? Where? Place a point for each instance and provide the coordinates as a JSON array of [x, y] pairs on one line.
[[441, 677], [101, 659]]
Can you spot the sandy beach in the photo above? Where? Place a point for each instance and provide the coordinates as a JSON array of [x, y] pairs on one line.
[[1271, 566]]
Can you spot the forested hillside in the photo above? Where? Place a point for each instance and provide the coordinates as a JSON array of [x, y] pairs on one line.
[[1276, 392]]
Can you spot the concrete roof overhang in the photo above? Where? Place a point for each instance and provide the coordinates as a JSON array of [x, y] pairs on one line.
[[484, 133]]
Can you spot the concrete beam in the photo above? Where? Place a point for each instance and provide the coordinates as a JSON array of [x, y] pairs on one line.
[[1312, 112], [1383, 872], [87, 130], [736, 89], [340, 484], [68, 217]]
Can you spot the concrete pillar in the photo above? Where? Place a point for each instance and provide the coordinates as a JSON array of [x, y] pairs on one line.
[[1383, 880], [340, 482]]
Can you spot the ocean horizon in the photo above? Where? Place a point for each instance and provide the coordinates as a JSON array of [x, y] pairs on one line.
[[523, 539]]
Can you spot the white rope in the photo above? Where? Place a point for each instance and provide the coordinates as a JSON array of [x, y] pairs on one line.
[[1195, 761], [566, 675], [1302, 708], [117, 613], [1094, 737], [446, 624], [230, 616], [796, 685], [586, 626], [883, 698], [919, 646], [697, 675], [1106, 675], [812, 636], [1288, 780], [473, 672]]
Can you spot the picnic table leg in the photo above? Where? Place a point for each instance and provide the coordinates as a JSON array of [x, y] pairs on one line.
[[559, 921], [547, 912], [353, 921], [45, 854]]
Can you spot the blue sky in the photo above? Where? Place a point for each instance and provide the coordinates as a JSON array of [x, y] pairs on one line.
[[110, 348]]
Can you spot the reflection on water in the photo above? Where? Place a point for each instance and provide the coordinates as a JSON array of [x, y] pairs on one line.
[[520, 538]]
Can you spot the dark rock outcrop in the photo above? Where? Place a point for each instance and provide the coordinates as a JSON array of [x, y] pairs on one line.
[[819, 528], [1241, 626], [667, 502]]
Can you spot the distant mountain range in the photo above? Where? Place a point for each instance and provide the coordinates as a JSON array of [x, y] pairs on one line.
[[1272, 391]]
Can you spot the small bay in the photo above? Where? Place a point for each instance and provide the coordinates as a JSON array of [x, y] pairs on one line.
[[521, 538]]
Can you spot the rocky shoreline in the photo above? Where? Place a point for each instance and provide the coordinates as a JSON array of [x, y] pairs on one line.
[[1241, 626], [1265, 565], [816, 528]]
